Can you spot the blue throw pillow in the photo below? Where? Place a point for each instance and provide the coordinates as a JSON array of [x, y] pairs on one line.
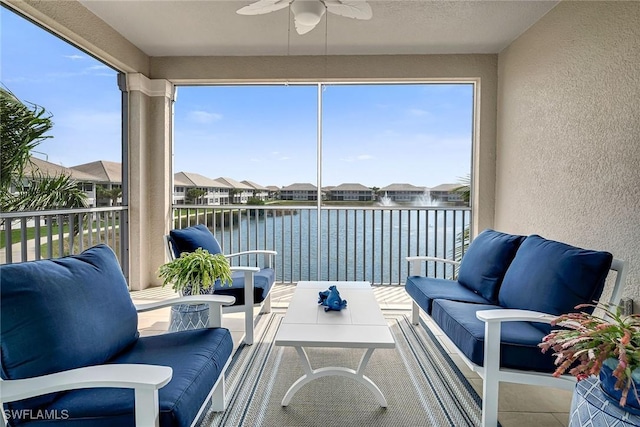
[[553, 277], [191, 238], [64, 313], [486, 261]]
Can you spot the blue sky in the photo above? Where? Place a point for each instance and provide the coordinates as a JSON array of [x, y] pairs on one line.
[[375, 135]]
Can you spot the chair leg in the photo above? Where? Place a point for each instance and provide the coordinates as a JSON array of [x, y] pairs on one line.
[[248, 324], [248, 308], [491, 380], [415, 313], [490, 390], [266, 304], [147, 408], [218, 402]]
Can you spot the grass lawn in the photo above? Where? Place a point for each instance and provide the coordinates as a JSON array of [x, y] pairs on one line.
[[55, 245], [16, 233]]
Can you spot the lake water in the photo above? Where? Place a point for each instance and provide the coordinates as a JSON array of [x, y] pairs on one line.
[[354, 244]]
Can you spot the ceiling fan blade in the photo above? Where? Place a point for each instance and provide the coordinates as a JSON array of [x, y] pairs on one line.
[[302, 28], [357, 9], [263, 6]]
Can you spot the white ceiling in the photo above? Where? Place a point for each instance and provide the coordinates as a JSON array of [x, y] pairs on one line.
[[212, 28]]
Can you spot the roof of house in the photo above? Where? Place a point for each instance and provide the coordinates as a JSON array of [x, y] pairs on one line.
[[403, 187], [104, 170], [350, 187], [447, 187], [273, 188], [190, 179], [233, 183], [254, 185], [51, 169], [300, 187]]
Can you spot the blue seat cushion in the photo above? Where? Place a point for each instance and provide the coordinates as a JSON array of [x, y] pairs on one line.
[[486, 261], [520, 340], [424, 290], [197, 358], [191, 238], [553, 277], [263, 281], [64, 313]]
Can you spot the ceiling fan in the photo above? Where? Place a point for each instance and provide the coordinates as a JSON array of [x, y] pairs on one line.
[[307, 13]]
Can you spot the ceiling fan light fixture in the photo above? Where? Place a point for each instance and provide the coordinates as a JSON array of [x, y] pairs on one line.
[[308, 13]]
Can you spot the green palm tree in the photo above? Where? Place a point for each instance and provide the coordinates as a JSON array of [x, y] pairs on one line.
[[22, 128], [193, 195], [112, 194], [463, 238], [465, 188]]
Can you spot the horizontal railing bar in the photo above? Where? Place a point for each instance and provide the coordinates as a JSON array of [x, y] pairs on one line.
[[26, 214], [329, 208]]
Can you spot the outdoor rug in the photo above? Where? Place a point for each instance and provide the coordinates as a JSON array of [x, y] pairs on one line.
[[423, 387]]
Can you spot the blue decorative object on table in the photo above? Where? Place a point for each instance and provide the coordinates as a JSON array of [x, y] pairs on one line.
[[331, 300]]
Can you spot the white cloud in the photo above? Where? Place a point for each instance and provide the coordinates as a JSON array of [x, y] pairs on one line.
[[417, 112], [203, 117], [16, 80], [360, 157], [278, 156], [98, 67], [74, 57]]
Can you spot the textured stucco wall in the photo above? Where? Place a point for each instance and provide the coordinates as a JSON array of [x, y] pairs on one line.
[[568, 151], [149, 178], [139, 133]]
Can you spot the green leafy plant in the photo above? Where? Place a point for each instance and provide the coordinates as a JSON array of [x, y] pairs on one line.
[[589, 340], [22, 128], [195, 272]]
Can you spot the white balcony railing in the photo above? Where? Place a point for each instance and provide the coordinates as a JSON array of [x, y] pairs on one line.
[[352, 243], [27, 236]]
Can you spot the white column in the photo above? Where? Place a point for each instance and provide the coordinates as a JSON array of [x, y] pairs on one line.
[[150, 145]]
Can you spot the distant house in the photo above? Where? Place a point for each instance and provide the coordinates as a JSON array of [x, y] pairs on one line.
[[299, 192], [274, 192], [259, 191], [238, 193], [38, 167], [106, 175], [351, 193], [446, 193], [403, 193], [213, 191]]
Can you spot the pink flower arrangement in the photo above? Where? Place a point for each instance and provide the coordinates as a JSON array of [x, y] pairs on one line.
[[587, 341]]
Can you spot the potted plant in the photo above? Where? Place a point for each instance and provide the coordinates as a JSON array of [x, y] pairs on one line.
[[608, 347], [194, 273]]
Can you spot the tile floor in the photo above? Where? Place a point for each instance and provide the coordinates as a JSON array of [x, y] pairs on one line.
[[519, 405]]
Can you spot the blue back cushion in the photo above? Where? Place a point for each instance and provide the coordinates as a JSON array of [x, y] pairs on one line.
[[64, 313], [191, 238], [553, 277], [486, 261]]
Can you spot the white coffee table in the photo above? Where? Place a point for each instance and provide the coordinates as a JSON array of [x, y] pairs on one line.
[[359, 325]]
